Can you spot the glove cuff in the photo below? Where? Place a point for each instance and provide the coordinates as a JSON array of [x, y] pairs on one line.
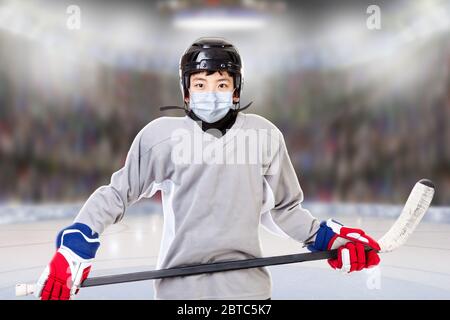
[[324, 236], [80, 240]]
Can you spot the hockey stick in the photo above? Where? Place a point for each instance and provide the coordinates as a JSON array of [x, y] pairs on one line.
[[415, 207]]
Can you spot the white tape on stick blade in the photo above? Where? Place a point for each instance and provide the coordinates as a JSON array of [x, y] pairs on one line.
[[415, 207]]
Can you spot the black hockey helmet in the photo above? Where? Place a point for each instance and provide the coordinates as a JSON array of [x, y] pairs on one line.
[[211, 54]]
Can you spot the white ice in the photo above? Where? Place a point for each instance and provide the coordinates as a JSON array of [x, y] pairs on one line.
[[418, 270]]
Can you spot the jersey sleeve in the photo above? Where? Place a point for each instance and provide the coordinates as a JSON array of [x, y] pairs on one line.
[[135, 179], [284, 195]]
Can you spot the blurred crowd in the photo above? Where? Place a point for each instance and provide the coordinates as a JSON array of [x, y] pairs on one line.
[[354, 136], [351, 136]]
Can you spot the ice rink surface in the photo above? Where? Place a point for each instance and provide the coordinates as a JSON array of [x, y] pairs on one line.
[[418, 270]]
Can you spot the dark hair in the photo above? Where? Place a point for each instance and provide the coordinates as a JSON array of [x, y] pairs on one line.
[[210, 72]]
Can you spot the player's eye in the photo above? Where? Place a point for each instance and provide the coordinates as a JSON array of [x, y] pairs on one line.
[[223, 86], [198, 85]]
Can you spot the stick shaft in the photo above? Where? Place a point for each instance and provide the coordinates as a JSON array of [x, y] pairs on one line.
[[210, 268], [416, 206]]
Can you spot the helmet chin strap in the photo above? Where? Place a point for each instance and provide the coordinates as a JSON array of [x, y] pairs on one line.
[[186, 108], [173, 107], [243, 108]]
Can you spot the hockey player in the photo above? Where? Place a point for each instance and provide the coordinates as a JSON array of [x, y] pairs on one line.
[[212, 210]]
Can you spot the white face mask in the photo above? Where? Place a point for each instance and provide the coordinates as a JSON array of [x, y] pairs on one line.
[[211, 106]]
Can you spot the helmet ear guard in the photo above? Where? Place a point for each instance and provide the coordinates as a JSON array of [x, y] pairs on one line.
[[185, 83]]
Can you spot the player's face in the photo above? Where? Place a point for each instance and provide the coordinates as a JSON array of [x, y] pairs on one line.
[[216, 82]]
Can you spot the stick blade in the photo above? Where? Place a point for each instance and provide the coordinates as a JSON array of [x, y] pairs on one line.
[[415, 208]]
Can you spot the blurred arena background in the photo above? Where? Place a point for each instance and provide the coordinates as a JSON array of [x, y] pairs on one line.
[[366, 113]]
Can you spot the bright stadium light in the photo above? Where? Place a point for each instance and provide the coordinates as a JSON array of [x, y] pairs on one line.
[[219, 20], [430, 17]]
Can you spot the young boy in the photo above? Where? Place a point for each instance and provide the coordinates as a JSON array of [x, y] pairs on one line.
[[212, 209]]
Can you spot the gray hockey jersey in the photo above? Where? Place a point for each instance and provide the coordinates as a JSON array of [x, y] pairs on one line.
[[216, 191]]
